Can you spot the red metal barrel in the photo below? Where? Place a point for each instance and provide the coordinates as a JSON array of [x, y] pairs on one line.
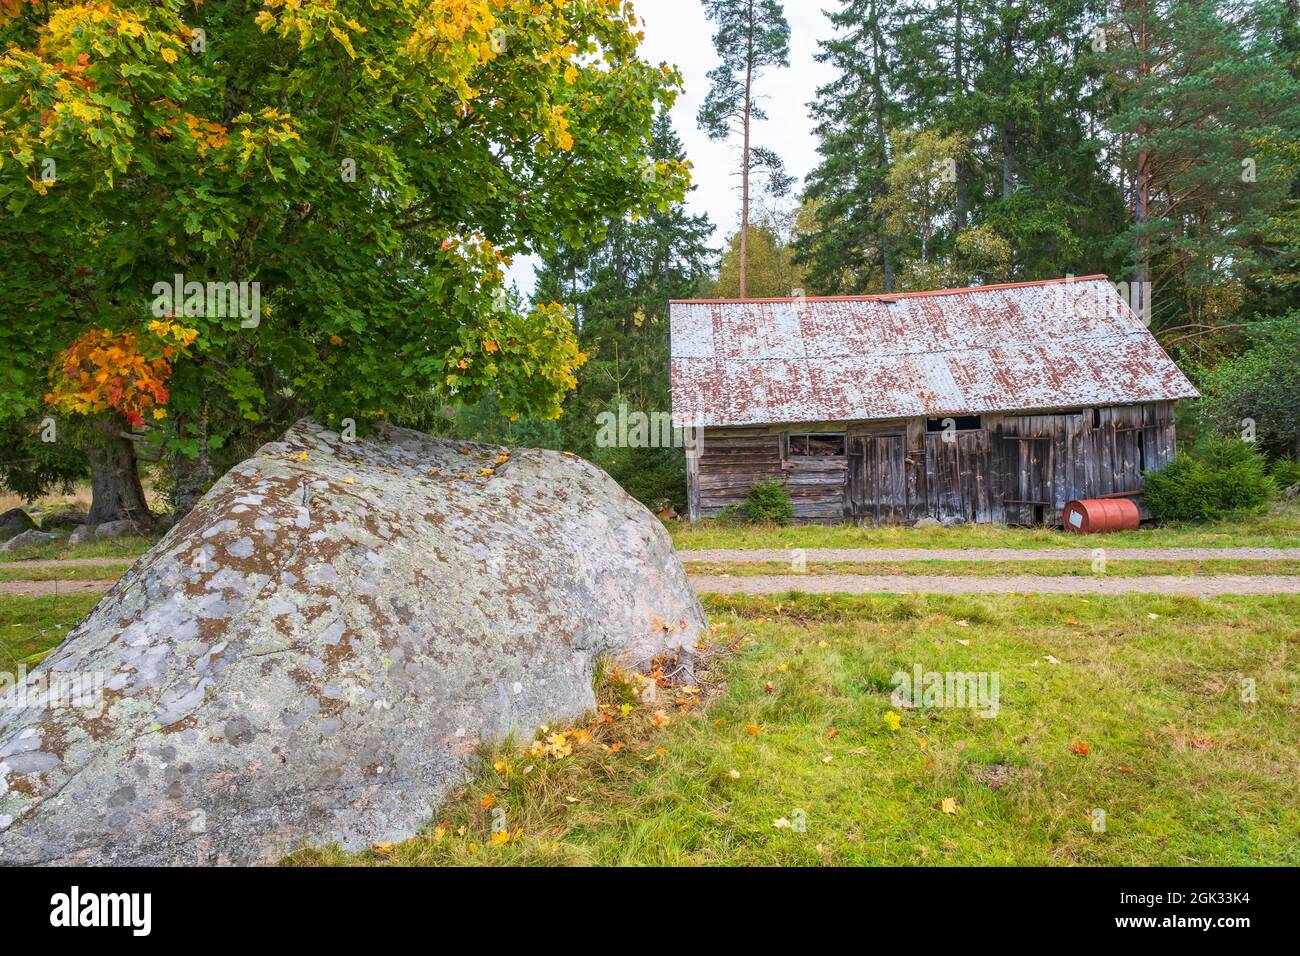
[[1098, 515]]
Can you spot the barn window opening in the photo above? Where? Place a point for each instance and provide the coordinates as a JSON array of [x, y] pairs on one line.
[[824, 445], [1096, 418], [960, 423]]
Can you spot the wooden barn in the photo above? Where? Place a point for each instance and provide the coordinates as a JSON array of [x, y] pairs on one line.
[[989, 404]]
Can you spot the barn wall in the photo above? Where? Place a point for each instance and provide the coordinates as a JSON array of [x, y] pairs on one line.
[[1015, 469]]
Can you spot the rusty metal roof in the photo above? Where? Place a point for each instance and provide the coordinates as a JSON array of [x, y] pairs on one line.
[[1066, 343]]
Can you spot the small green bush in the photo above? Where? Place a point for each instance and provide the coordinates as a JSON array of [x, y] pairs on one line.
[[1285, 473], [1227, 475], [768, 502]]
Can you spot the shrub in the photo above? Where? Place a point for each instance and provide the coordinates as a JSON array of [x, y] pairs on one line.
[[768, 502], [1261, 385], [1227, 475], [1285, 472]]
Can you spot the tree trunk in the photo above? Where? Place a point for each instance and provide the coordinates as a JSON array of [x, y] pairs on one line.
[[1008, 163], [191, 478], [744, 201], [878, 97], [960, 82], [1140, 292], [116, 493]]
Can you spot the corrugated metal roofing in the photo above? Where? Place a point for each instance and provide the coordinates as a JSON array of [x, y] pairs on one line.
[[1067, 343]]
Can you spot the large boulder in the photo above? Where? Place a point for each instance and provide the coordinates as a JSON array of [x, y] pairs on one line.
[[14, 522], [314, 654]]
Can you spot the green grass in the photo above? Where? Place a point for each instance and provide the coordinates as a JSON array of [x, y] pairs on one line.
[[126, 547], [1186, 772], [31, 627], [74, 572], [1277, 528], [1080, 569]]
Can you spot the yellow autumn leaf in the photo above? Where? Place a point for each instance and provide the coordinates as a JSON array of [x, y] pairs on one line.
[[949, 806]]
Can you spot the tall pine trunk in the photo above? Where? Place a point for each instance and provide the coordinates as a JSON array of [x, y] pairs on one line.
[[1140, 290], [116, 493], [744, 170], [959, 76], [878, 97]]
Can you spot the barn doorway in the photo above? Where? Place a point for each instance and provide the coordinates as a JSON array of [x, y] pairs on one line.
[[1026, 478], [877, 477]]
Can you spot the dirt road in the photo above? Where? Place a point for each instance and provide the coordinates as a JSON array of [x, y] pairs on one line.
[[937, 584], [1081, 555]]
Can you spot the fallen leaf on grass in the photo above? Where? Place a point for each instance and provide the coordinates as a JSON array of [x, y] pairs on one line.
[[832, 733], [963, 623], [660, 719], [949, 806], [753, 729], [781, 824], [487, 801], [1081, 749], [385, 848], [827, 758], [1051, 660]]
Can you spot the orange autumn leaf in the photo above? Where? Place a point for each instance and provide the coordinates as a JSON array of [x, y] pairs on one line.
[[1081, 749], [488, 800]]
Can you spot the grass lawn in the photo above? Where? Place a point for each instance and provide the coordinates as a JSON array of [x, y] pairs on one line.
[[784, 752], [1080, 569], [1278, 528], [129, 548], [31, 627], [74, 572]]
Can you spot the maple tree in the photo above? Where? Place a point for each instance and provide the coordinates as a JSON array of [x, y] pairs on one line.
[[373, 167]]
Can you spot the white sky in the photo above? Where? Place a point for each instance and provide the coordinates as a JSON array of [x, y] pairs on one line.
[[678, 32]]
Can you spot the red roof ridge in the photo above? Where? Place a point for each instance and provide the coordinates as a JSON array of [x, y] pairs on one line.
[[888, 296]]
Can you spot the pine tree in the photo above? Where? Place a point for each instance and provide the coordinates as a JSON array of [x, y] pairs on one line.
[[752, 36], [1197, 86], [849, 249]]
